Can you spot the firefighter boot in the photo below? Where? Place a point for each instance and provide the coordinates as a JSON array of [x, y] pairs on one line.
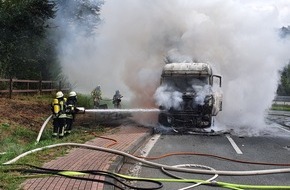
[[61, 132], [55, 131]]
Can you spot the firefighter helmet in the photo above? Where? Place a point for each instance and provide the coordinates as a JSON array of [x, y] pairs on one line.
[[59, 94], [72, 93]]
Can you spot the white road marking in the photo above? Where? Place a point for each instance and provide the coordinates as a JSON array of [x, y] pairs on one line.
[[283, 128], [145, 151], [150, 145], [235, 146]]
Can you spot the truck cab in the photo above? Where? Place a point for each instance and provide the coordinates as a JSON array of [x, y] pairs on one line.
[[197, 102]]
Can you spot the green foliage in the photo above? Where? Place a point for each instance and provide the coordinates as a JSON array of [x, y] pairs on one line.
[[84, 100], [29, 34], [81, 13], [284, 86], [17, 136], [5, 125], [280, 107], [22, 140], [23, 43]]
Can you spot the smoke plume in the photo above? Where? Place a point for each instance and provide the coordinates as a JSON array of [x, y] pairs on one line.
[[240, 39], [202, 93], [168, 97]]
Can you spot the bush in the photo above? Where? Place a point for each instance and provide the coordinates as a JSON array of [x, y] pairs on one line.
[[84, 100]]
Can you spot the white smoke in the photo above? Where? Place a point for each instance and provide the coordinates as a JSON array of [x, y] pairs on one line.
[[202, 92], [239, 38], [168, 97], [173, 56]]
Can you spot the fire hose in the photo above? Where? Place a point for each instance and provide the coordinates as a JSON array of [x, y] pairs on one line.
[[166, 167], [172, 168], [79, 110], [42, 129], [82, 175], [113, 151]]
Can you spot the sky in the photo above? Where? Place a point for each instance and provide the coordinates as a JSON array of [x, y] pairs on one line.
[[239, 38]]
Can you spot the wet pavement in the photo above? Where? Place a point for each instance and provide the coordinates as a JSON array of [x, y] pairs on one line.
[[280, 117]]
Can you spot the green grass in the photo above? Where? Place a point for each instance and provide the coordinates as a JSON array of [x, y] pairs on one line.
[[86, 101], [23, 140], [16, 139], [280, 107]]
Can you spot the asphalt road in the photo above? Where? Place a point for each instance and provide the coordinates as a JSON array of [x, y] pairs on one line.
[[270, 148]]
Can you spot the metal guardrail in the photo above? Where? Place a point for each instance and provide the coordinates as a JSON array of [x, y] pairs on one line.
[[282, 100], [29, 86]]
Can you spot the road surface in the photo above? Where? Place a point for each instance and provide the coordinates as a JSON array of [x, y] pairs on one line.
[[269, 148]]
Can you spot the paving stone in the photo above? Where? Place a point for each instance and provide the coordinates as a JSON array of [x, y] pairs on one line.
[[128, 138]]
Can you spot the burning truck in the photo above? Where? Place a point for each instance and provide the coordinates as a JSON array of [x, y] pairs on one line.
[[186, 97]]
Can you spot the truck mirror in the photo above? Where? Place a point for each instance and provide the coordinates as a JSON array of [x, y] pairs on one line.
[[218, 79]]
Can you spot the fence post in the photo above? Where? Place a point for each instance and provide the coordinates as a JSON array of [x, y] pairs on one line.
[[10, 87], [40, 86], [51, 85], [59, 86]]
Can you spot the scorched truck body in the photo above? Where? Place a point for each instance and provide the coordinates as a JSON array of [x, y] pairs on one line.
[[194, 82]]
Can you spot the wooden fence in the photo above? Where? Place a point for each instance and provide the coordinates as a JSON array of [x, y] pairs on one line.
[[11, 86]]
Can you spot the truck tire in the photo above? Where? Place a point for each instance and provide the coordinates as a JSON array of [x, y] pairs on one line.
[[162, 119], [207, 118]]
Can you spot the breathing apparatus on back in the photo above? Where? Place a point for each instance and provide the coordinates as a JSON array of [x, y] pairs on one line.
[[58, 103], [56, 106]]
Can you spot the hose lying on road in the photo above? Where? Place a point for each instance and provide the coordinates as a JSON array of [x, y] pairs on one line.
[[213, 183], [81, 175], [191, 165], [213, 156], [167, 167], [195, 154], [84, 175], [73, 174]]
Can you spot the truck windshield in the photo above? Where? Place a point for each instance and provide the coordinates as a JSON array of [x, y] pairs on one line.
[[186, 83]]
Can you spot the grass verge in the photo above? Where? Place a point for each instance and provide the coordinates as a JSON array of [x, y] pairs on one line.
[[19, 129], [280, 107], [23, 140]]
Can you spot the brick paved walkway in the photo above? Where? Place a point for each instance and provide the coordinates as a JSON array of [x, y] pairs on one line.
[[128, 139]]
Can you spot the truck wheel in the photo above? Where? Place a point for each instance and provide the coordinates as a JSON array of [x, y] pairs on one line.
[[162, 119], [208, 119]]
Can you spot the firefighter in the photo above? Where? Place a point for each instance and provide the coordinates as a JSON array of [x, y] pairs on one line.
[[59, 116], [71, 110], [117, 99], [97, 96]]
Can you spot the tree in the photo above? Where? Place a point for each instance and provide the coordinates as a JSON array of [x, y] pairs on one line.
[[23, 43], [284, 86], [83, 13]]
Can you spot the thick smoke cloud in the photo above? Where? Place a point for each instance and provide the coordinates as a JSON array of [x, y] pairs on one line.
[[240, 40], [168, 97], [202, 93]]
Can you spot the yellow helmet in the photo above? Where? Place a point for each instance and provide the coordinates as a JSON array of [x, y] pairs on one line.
[[59, 94]]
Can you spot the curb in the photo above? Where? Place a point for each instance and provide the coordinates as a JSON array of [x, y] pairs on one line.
[[118, 163]]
